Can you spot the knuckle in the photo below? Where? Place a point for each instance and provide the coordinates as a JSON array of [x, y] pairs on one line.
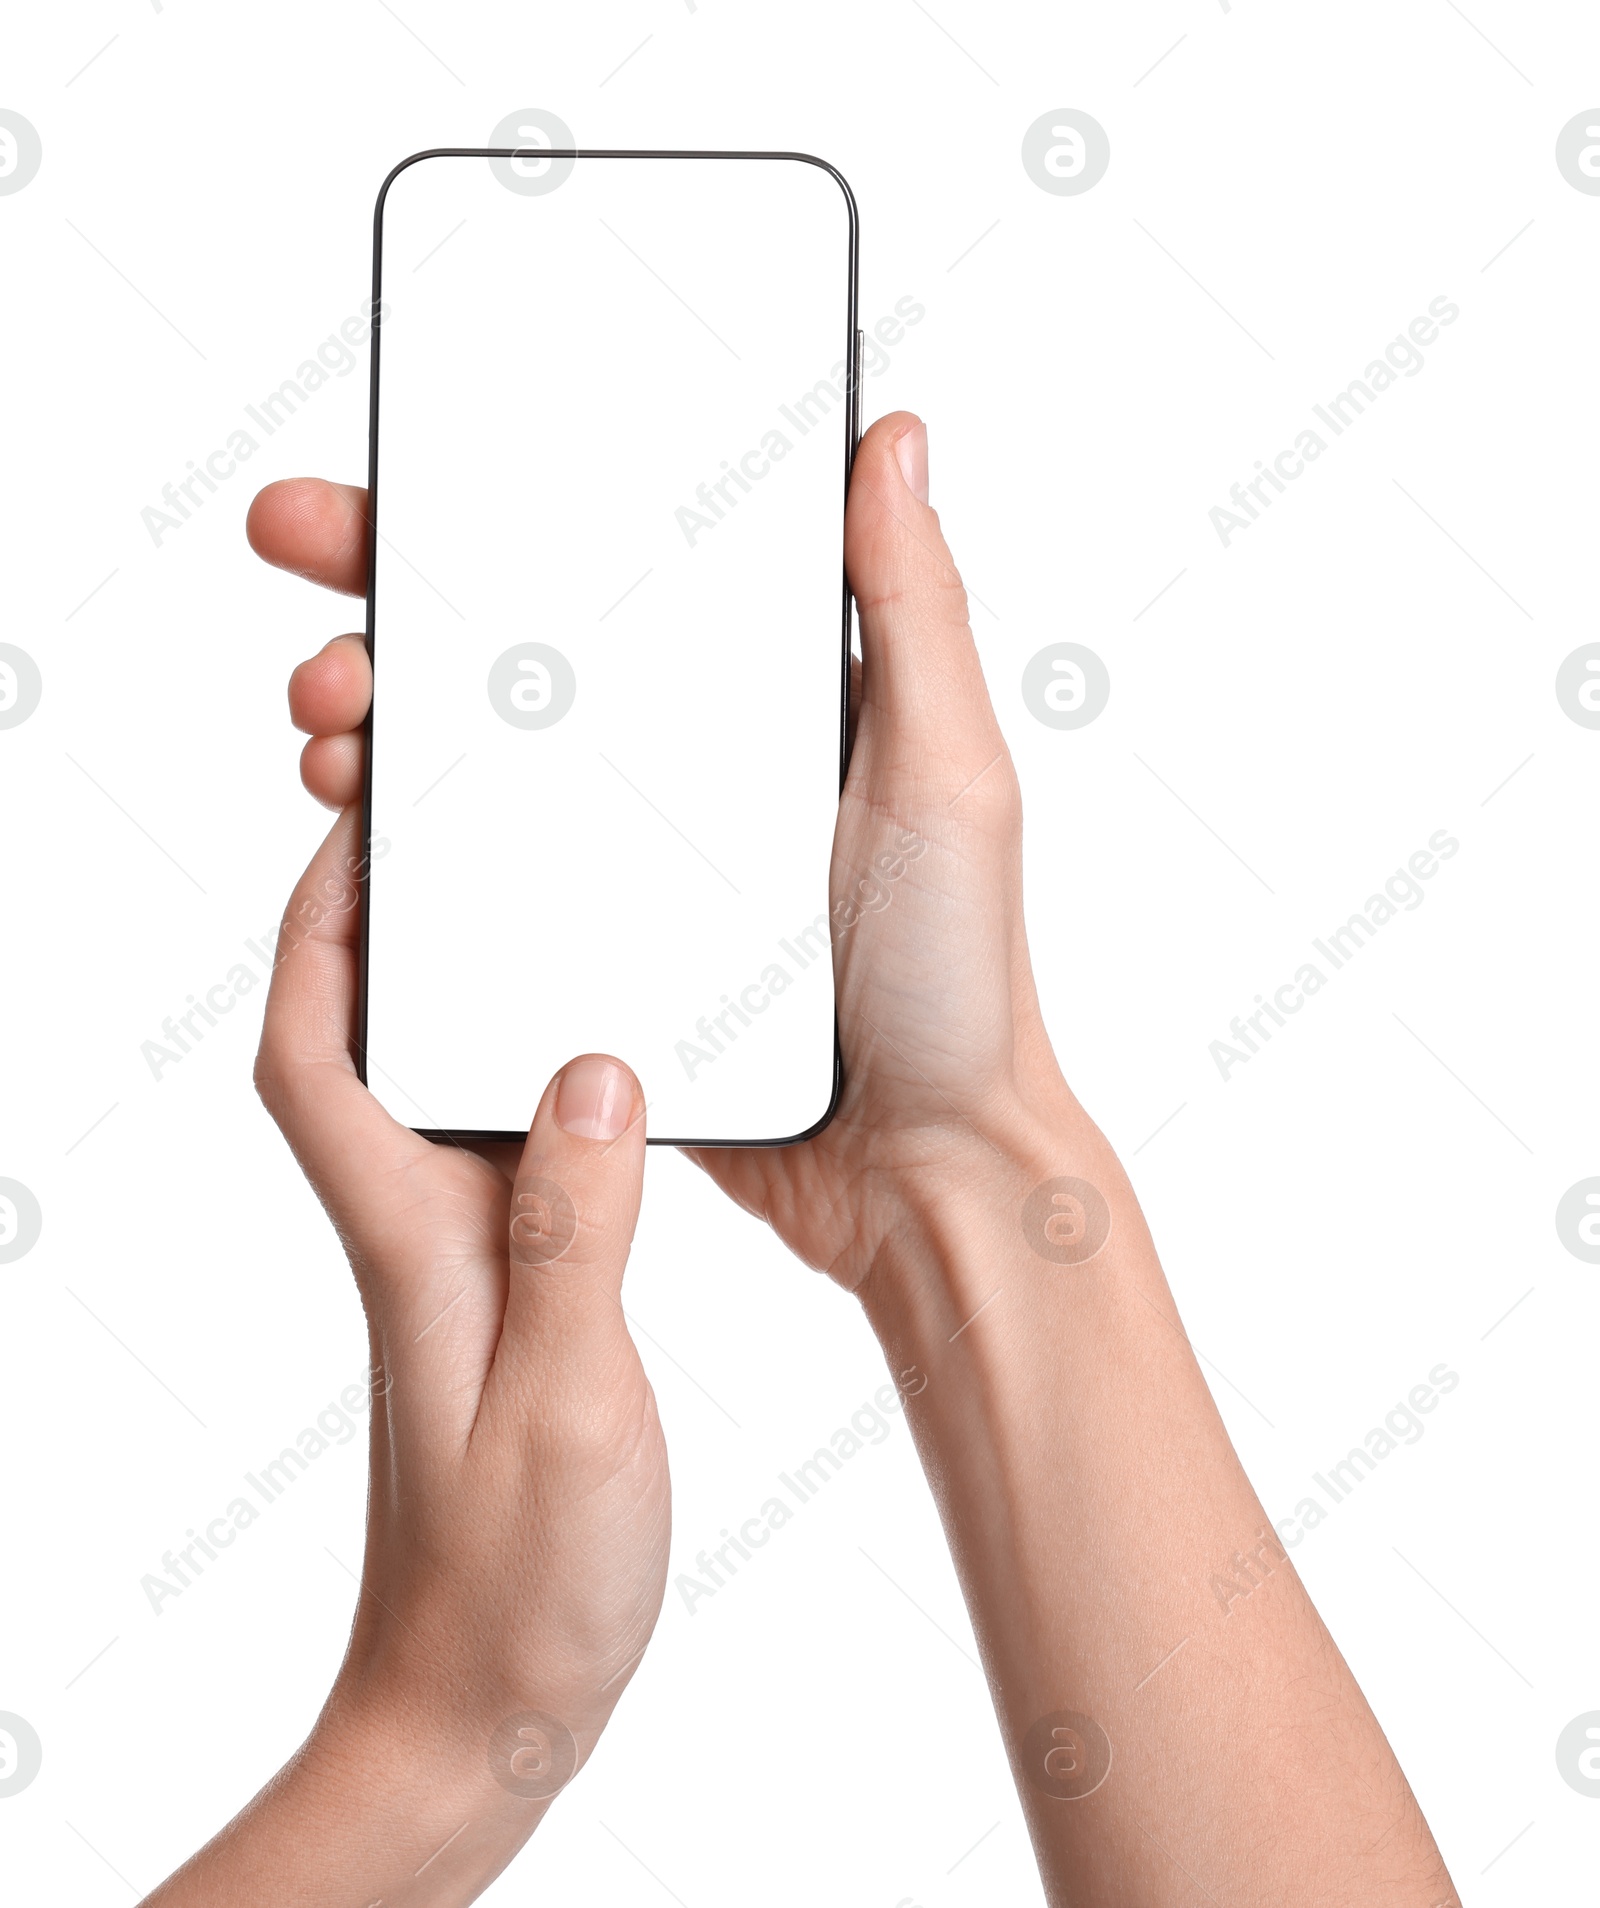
[[600, 1423], [544, 1222], [268, 1078], [990, 798], [562, 1230]]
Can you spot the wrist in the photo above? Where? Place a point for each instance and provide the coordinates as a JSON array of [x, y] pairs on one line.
[[961, 1219], [414, 1798], [374, 1806], [1018, 1293]]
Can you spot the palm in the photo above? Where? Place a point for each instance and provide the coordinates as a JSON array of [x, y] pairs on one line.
[[593, 1562], [933, 984]]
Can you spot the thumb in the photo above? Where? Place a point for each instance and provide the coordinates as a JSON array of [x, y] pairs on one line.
[[574, 1204], [920, 668]]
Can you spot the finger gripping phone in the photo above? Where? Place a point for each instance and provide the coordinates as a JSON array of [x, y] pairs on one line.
[[614, 404]]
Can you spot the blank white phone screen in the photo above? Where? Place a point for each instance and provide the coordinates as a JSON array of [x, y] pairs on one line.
[[613, 421]]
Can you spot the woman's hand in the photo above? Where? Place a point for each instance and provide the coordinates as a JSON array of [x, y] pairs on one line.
[[519, 1509], [1170, 1742], [945, 1053]]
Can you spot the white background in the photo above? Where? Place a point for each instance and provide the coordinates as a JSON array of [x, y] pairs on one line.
[[1288, 188]]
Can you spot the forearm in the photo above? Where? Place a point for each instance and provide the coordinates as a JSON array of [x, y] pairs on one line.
[[1093, 1504], [389, 1807]]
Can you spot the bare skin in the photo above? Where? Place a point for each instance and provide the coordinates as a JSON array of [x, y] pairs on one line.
[[1180, 1723]]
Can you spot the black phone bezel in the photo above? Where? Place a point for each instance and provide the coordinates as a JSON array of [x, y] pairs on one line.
[[852, 357]]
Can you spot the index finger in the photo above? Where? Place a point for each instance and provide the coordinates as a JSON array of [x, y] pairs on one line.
[[314, 528]]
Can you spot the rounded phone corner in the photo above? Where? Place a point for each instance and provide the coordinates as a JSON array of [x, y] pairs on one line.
[[411, 159], [787, 1139], [826, 165]]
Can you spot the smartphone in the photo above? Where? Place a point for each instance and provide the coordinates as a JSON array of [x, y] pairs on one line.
[[614, 406]]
